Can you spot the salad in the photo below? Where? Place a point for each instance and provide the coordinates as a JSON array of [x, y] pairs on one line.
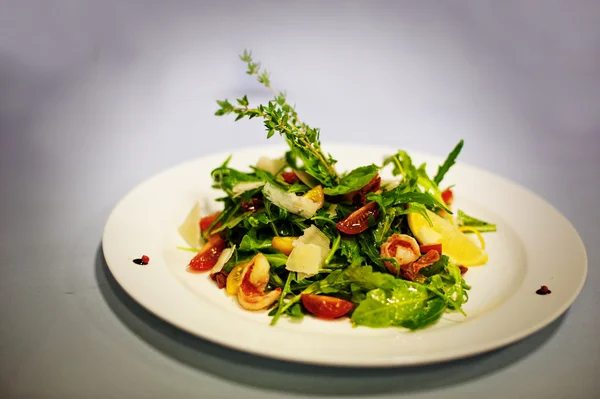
[[297, 237]]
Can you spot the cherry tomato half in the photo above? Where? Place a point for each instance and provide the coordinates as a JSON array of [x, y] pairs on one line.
[[360, 196], [290, 177], [208, 255], [253, 205], [429, 247], [448, 196], [358, 221], [372, 186], [206, 221], [326, 307]]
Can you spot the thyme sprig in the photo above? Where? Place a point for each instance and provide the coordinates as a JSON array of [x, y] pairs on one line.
[[280, 117]]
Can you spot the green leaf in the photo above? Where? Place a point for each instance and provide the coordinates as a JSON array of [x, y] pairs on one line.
[[243, 101], [366, 278], [353, 181], [450, 286], [417, 208], [369, 247], [351, 251], [458, 290], [435, 268], [277, 311], [397, 197], [276, 260], [335, 282], [428, 184], [402, 307], [251, 243], [382, 232], [227, 178], [479, 225], [295, 312], [431, 312], [403, 165], [450, 160]]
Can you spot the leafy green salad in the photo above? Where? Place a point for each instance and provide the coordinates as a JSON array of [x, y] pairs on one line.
[[296, 237]]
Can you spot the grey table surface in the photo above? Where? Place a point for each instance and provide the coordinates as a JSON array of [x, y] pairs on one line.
[[97, 96]]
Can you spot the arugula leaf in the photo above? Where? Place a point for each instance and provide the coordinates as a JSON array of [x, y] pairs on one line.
[[363, 278], [227, 178], [450, 160], [432, 311], [417, 208], [367, 279], [295, 311], [435, 268], [276, 260], [402, 165], [479, 225], [358, 294], [251, 243], [286, 289], [397, 197], [335, 282], [353, 181], [351, 251], [403, 306], [428, 184], [370, 249], [458, 290], [450, 286], [382, 232]]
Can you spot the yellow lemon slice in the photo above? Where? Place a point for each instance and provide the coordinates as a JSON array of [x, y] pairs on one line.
[[455, 243]]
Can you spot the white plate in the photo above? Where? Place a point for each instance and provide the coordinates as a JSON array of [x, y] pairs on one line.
[[534, 246]]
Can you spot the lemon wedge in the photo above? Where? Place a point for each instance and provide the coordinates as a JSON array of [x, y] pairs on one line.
[[455, 243]]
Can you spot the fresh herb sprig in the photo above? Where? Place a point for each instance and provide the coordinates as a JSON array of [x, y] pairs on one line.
[[280, 117]]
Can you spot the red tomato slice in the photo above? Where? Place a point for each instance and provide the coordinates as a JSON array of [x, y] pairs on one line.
[[372, 186], [359, 196], [358, 221], [205, 222], [208, 255], [448, 196], [251, 206], [290, 177], [429, 247], [326, 307]]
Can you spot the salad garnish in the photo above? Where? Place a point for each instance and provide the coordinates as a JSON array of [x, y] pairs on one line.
[[297, 237]]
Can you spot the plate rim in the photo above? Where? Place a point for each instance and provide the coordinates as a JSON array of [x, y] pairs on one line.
[[391, 362]]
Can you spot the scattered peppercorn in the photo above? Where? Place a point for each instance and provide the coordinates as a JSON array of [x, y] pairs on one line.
[[544, 290], [144, 260]]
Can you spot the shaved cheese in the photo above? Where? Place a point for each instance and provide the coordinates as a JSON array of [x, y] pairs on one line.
[[270, 165], [306, 178], [309, 253], [190, 228], [306, 259], [290, 201], [241, 188], [313, 235], [223, 258]]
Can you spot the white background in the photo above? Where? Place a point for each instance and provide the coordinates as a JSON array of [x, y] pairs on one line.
[[97, 96]]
